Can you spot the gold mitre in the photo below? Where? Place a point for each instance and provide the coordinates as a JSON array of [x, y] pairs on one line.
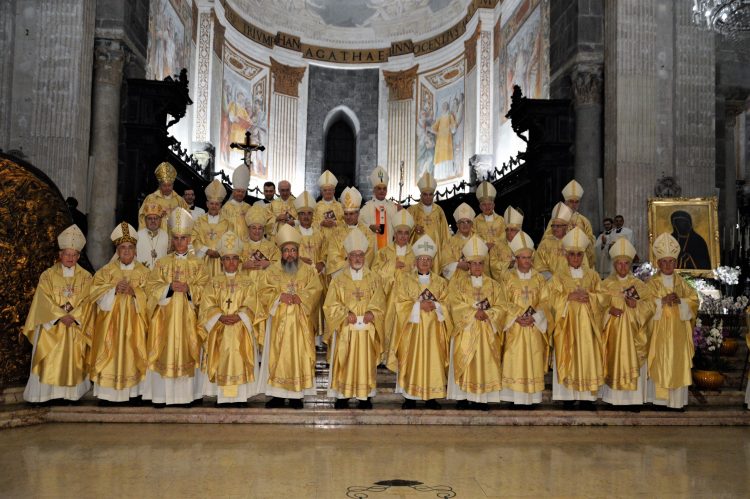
[[427, 183], [241, 178], [216, 191], [288, 235], [355, 241], [304, 202], [379, 176], [230, 244], [152, 209], [576, 240], [521, 242], [424, 246], [327, 179], [180, 222], [403, 219], [572, 191], [666, 246], [561, 213], [513, 218], [486, 192], [165, 173], [124, 233], [475, 250], [351, 199], [71, 238], [622, 248], [256, 215], [464, 212]]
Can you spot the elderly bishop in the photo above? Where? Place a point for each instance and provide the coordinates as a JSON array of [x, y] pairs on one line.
[[164, 196], [235, 208], [328, 212], [209, 228], [379, 213], [351, 200], [153, 241]]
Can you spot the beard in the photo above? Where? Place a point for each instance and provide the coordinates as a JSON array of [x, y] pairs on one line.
[[290, 267]]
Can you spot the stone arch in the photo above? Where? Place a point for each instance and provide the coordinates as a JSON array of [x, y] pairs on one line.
[[345, 114]]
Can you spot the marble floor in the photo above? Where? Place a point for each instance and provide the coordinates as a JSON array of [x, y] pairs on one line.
[[259, 461]]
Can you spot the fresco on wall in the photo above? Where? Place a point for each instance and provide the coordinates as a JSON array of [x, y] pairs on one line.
[[168, 45], [522, 59], [440, 123], [244, 107]]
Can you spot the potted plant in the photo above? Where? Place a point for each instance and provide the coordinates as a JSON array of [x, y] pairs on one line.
[[707, 361]]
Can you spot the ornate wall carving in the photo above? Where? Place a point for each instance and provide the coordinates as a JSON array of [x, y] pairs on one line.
[[588, 85], [109, 58], [286, 79], [485, 93], [32, 214], [401, 83], [205, 28], [470, 50]]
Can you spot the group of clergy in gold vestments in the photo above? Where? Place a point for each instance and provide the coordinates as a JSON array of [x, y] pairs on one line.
[[245, 295]]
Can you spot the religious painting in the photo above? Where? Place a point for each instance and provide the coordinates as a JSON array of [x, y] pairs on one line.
[[244, 108], [440, 123], [693, 222], [522, 55], [168, 43]]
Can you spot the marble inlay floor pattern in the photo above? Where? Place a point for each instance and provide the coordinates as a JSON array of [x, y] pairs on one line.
[[145, 460]]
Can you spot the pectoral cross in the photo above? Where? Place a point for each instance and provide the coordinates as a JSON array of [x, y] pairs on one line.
[[291, 288], [228, 302], [68, 291], [308, 247], [359, 294]]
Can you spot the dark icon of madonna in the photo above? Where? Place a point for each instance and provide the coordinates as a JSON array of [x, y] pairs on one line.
[[693, 248]]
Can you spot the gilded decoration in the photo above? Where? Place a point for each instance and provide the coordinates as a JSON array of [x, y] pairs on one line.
[[32, 214], [286, 79], [401, 83], [470, 49]]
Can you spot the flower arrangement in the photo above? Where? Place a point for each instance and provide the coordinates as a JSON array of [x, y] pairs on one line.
[[707, 341], [727, 275], [724, 306]]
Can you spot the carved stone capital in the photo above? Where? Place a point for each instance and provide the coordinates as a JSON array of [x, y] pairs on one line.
[[109, 58], [588, 83], [470, 49], [401, 83], [732, 109], [286, 79]]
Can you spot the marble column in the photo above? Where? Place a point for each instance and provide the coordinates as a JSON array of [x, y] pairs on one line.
[[732, 110], [203, 56], [401, 129], [284, 137], [587, 84], [109, 56]]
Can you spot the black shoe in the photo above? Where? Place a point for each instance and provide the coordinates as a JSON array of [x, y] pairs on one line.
[[275, 403], [196, 403], [105, 403], [633, 408], [462, 405], [432, 404], [409, 404], [477, 406], [296, 403], [569, 405], [586, 405], [365, 404], [160, 406], [341, 404]]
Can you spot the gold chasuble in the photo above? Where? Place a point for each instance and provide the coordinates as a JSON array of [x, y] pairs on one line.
[[234, 212], [419, 348], [336, 254], [550, 256], [477, 345], [207, 233], [167, 204], [501, 259], [577, 338], [579, 220], [256, 251], [526, 348], [174, 338], [230, 358], [671, 349], [432, 219], [328, 210], [59, 355], [354, 349], [276, 208], [289, 339], [491, 231], [451, 254], [624, 337], [117, 329]]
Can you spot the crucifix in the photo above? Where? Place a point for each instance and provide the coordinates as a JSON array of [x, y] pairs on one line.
[[248, 148], [228, 302]]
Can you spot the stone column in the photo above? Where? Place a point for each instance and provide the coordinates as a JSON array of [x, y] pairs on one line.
[[283, 141], [587, 84], [109, 57], [203, 58], [401, 129], [732, 110]]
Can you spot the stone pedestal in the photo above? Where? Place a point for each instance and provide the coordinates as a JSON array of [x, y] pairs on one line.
[[109, 56], [587, 101]]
